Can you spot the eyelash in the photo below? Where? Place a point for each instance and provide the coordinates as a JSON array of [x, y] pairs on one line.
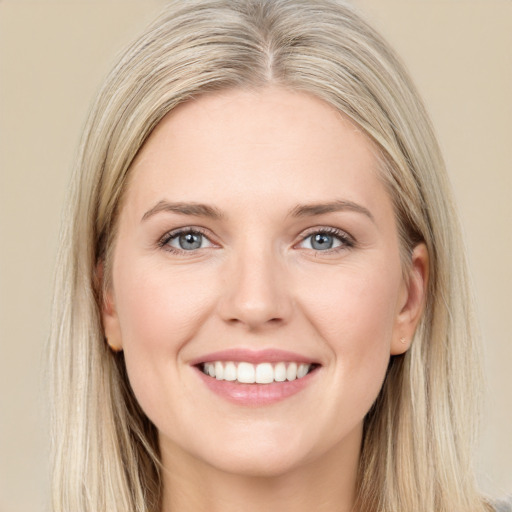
[[163, 243], [347, 242]]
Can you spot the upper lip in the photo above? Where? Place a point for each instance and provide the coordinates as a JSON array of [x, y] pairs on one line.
[[253, 356]]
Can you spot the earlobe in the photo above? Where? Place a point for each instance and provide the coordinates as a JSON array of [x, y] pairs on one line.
[[413, 302], [109, 315]]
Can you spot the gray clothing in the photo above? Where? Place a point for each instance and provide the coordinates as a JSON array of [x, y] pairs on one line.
[[503, 505]]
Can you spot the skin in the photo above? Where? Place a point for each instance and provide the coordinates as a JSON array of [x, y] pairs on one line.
[[257, 283]]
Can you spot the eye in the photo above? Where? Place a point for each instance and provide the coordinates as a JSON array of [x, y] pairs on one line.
[[326, 239], [185, 240]]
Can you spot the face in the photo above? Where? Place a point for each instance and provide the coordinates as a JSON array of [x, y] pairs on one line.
[[257, 290]]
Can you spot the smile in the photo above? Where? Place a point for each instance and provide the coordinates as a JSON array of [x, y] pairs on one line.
[[255, 378], [262, 373]]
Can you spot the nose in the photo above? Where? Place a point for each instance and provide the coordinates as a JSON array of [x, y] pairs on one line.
[[255, 294]]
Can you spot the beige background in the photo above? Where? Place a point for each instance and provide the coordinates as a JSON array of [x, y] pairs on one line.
[[53, 55]]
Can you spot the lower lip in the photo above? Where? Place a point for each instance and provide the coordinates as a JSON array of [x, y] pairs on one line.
[[256, 394]]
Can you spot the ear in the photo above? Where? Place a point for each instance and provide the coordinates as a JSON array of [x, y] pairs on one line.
[[109, 316], [412, 300]]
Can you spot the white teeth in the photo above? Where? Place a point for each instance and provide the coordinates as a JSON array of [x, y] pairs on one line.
[[246, 373], [291, 372], [280, 372], [302, 371], [263, 373], [219, 371], [230, 371]]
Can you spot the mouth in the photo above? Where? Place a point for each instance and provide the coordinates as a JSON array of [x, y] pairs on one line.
[[244, 372], [256, 378]]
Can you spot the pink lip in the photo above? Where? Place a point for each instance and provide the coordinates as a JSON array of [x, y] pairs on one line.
[[253, 356], [254, 395]]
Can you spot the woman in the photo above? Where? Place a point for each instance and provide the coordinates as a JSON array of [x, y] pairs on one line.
[[262, 301]]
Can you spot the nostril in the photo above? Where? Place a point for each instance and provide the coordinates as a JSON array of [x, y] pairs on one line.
[[253, 323]]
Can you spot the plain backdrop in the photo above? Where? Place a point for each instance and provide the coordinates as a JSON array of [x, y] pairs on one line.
[[53, 56]]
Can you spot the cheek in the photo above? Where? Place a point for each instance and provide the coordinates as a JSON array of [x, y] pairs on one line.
[[157, 308], [355, 316], [355, 304], [159, 312]]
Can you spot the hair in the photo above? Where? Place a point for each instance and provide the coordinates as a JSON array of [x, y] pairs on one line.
[[418, 435]]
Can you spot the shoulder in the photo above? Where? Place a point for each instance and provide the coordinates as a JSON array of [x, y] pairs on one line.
[[504, 505]]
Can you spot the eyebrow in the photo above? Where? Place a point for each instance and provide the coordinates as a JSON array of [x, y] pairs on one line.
[[195, 209], [306, 210]]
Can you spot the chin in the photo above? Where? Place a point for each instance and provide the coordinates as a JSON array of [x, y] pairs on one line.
[[253, 456], [264, 464]]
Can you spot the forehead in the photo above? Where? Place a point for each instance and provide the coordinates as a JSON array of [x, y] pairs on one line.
[[270, 146]]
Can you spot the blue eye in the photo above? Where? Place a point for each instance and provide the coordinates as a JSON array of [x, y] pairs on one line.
[[187, 241], [322, 241], [326, 240]]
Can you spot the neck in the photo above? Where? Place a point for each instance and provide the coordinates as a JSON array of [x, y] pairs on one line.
[[326, 484]]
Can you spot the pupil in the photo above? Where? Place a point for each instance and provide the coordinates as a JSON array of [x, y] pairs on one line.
[[322, 241], [190, 241]]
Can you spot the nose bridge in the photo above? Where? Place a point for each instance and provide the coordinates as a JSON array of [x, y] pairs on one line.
[[255, 293]]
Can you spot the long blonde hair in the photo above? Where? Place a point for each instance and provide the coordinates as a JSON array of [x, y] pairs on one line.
[[418, 436]]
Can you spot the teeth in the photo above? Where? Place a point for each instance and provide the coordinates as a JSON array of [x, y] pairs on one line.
[[302, 371], [245, 373], [219, 371], [230, 371], [263, 373], [291, 372], [280, 372]]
